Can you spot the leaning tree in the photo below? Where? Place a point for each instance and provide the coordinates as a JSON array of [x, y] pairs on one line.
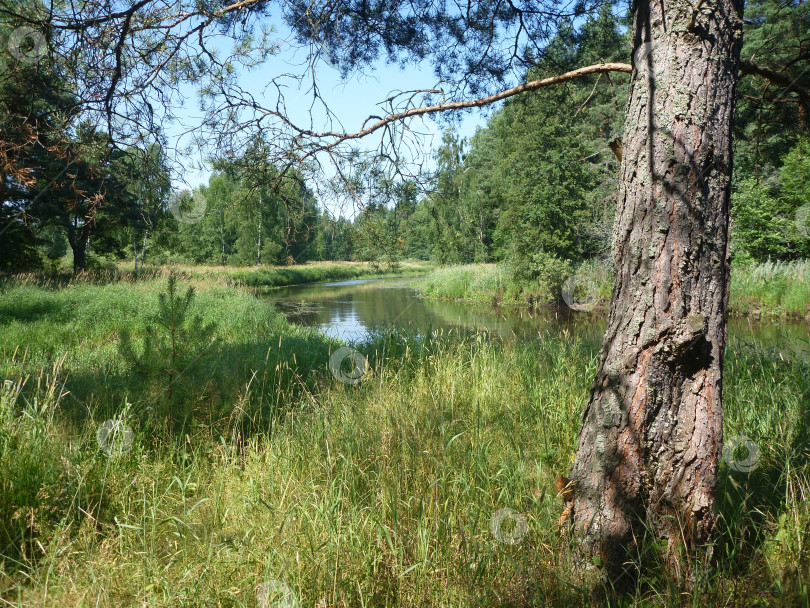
[[651, 436]]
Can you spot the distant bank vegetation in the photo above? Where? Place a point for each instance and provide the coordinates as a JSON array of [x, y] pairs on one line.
[[768, 289]]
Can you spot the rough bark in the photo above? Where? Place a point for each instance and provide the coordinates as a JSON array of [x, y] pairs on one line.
[[652, 431]]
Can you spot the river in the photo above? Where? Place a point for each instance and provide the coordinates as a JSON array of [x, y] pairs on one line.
[[351, 310]]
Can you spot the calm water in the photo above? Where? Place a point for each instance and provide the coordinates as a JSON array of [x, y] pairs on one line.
[[349, 310]]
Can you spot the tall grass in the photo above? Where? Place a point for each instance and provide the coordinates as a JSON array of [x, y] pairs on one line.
[[81, 323], [381, 494], [769, 289], [493, 283], [473, 282], [263, 276], [772, 289]]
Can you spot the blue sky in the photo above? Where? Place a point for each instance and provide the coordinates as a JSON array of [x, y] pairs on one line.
[[352, 100]]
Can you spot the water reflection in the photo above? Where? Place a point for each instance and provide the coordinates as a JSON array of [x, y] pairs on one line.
[[349, 310], [777, 339]]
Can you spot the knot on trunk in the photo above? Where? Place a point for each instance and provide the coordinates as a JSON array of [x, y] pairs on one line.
[[684, 344], [680, 337]]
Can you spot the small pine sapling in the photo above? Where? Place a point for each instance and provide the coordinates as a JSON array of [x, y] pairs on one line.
[[174, 340]]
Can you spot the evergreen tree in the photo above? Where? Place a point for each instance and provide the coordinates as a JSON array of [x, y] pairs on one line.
[[173, 341]]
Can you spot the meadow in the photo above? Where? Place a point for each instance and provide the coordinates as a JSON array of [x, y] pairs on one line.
[[253, 477]]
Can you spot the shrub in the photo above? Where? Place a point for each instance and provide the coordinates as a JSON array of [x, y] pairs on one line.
[[544, 270]]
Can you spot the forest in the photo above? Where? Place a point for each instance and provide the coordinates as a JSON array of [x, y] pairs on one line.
[[533, 189]]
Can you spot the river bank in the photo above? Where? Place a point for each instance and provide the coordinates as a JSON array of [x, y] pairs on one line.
[[316, 272], [428, 483], [249, 276], [767, 290]]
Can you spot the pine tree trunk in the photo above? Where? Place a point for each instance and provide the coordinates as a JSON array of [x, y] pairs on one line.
[[651, 437]]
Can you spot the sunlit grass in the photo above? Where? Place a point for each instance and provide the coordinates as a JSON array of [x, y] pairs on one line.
[[381, 494], [254, 276], [770, 289], [493, 283]]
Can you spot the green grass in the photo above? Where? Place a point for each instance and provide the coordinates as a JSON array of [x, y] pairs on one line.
[[263, 276], [377, 495], [470, 282], [770, 289], [493, 283], [312, 272]]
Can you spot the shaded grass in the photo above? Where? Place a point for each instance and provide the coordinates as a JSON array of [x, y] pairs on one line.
[[377, 495]]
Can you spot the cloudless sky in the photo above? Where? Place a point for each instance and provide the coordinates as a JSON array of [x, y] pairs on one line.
[[352, 100]]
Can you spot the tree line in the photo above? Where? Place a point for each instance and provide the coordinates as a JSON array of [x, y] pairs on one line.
[[536, 185], [534, 188]]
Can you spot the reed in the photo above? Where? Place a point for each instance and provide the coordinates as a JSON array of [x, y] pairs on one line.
[[772, 289], [769, 289]]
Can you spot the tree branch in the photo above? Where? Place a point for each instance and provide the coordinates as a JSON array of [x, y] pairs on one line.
[[746, 67], [534, 85], [783, 80]]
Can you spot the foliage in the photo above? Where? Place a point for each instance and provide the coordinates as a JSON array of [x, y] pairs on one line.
[[535, 182], [548, 271], [145, 176], [769, 121], [767, 213], [761, 222], [35, 107], [795, 194], [389, 490], [538, 180], [247, 221]]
